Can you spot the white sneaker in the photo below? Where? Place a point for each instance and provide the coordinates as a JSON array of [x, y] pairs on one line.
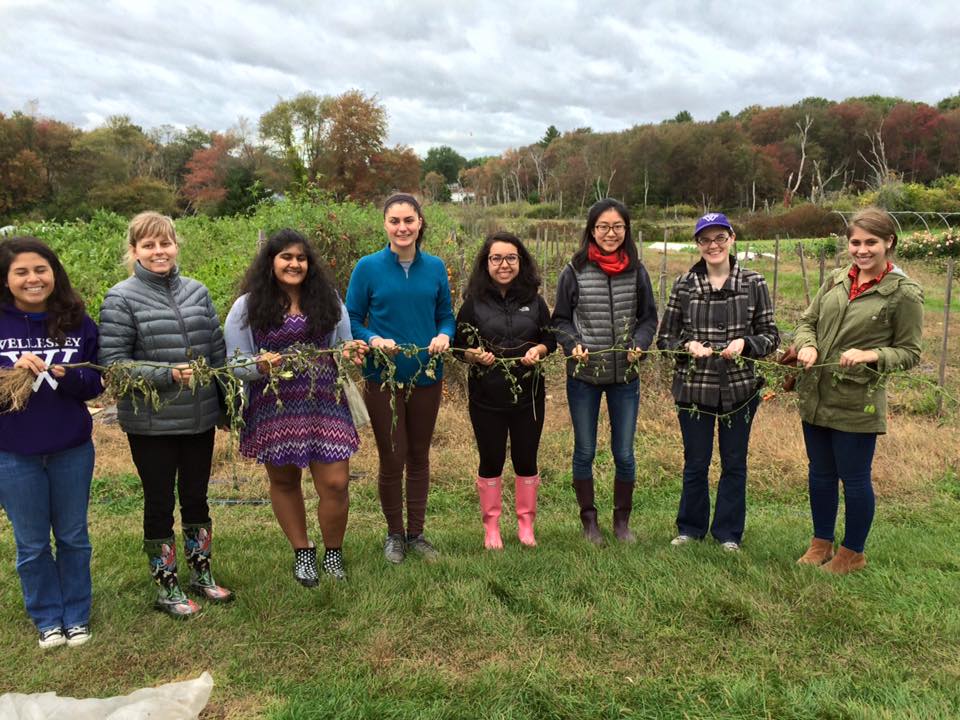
[[731, 546], [77, 635], [681, 540], [51, 638]]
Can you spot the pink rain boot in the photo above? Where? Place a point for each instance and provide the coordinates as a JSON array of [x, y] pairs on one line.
[[489, 490], [526, 502]]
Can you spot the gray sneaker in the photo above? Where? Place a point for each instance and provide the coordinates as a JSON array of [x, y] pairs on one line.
[[419, 545], [393, 549]]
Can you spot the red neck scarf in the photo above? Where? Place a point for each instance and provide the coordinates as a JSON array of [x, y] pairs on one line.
[[858, 290], [610, 264]]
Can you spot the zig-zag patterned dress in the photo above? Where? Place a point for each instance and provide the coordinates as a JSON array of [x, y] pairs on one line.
[[309, 427]]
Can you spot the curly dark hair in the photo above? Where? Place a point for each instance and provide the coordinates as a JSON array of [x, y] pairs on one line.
[[596, 210], [525, 284], [65, 308], [268, 304]]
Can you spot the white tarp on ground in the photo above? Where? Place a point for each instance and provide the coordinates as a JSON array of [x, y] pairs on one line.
[[173, 701]]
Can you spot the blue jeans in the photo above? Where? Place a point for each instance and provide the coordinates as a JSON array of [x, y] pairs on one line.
[[733, 435], [836, 455], [623, 401], [40, 492]]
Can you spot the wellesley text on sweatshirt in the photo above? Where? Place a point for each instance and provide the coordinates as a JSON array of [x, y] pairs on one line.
[[56, 417]]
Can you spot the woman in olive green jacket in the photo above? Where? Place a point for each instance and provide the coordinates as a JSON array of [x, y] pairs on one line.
[[866, 320]]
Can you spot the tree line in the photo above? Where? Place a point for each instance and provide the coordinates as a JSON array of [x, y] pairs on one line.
[[816, 150]]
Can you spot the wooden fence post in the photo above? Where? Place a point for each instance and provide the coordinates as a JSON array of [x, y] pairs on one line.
[[640, 245], [803, 272], [776, 272], [663, 275], [543, 260], [946, 335], [823, 265]]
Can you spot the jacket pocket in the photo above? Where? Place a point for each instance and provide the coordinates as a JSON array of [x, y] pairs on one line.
[[854, 392]]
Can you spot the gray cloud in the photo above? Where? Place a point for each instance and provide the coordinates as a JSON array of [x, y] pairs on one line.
[[480, 77]]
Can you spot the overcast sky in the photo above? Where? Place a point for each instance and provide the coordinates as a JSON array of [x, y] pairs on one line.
[[478, 76]]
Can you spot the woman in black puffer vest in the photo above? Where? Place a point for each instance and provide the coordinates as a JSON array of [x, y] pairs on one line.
[[503, 316]]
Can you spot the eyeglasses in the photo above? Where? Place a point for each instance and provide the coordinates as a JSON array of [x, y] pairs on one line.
[[500, 259], [603, 228], [708, 241]]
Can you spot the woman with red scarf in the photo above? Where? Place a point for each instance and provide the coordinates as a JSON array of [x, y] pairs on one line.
[[604, 318]]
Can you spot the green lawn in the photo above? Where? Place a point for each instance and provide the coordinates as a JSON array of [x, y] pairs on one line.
[[561, 631]]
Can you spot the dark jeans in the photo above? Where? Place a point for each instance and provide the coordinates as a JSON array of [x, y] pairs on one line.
[[165, 461], [41, 493], [405, 446], [524, 425], [733, 434], [623, 401], [836, 455]]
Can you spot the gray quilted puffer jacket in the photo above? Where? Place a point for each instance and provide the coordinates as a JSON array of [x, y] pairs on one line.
[[166, 319]]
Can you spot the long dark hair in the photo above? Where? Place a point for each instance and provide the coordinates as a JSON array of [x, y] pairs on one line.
[[397, 199], [601, 206], [65, 307], [268, 303], [524, 285]]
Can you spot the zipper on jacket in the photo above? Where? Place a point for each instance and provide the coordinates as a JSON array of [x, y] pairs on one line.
[[188, 351], [613, 327]]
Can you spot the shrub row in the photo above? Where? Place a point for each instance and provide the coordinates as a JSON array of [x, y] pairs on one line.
[[218, 251]]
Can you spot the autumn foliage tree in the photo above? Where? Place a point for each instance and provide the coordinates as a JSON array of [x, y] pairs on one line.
[[333, 143], [888, 149], [205, 185]]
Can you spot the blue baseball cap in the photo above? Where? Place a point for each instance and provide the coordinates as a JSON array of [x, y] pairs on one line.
[[711, 219]]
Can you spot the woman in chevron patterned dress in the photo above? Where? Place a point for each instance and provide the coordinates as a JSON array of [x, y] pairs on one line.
[[288, 301]]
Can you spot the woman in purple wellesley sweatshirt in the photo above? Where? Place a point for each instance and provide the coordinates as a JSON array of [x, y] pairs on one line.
[[46, 454]]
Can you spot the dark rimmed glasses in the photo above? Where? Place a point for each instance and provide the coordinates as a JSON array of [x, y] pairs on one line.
[[499, 260]]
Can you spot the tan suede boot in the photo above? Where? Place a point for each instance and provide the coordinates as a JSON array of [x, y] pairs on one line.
[[845, 561], [819, 552]]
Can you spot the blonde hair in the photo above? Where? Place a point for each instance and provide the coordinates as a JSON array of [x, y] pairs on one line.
[[876, 221], [144, 225]]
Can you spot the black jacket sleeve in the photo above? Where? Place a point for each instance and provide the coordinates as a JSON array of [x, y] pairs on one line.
[[465, 336], [646, 326], [568, 294], [547, 336]]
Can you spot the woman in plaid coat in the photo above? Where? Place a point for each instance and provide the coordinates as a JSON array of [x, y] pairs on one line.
[[718, 317]]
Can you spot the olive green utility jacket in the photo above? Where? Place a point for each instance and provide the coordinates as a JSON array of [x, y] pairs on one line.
[[887, 318]]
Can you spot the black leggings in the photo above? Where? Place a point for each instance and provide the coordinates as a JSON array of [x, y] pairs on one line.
[[165, 460], [491, 428]]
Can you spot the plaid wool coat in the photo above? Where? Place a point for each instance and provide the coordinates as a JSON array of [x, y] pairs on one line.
[[695, 311]]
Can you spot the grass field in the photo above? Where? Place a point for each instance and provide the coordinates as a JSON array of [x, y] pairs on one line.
[[564, 630]]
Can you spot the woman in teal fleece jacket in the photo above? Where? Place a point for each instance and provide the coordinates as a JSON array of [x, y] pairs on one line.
[[401, 296]]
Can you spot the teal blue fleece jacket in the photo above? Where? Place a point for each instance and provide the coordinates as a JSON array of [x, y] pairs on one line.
[[383, 300]]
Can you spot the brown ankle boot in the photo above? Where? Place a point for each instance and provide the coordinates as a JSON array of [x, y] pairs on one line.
[[819, 552], [845, 561]]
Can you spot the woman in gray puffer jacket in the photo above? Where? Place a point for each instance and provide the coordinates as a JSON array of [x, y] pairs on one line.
[[158, 321]]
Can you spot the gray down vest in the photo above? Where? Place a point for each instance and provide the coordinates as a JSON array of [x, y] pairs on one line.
[[164, 319], [605, 315]]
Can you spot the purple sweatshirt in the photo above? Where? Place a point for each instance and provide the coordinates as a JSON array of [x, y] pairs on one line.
[[54, 419]]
